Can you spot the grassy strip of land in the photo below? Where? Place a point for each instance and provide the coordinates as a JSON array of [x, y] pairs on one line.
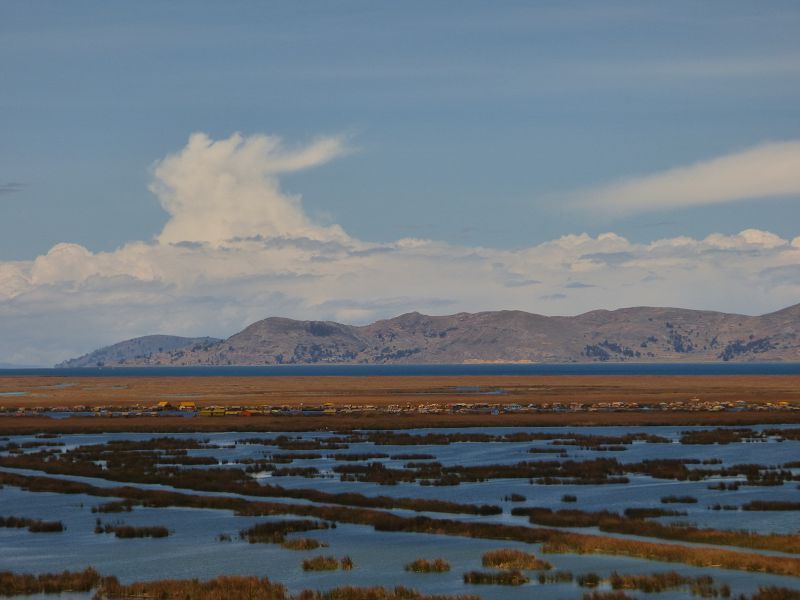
[[571, 543], [169, 424], [219, 588], [561, 542], [614, 523], [555, 540]]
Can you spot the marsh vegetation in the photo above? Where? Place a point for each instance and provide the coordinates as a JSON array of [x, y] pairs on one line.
[[515, 560], [423, 565], [328, 563], [231, 475], [32, 525]]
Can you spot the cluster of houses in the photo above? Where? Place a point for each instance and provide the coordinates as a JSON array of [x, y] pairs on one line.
[[191, 409]]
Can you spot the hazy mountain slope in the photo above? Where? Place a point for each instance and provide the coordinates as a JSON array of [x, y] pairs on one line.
[[494, 336], [640, 334], [283, 341], [139, 350]]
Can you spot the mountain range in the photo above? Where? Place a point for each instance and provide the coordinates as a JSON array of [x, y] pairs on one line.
[[640, 334]]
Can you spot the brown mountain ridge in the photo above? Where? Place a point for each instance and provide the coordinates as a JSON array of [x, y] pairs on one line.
[[640, 334]]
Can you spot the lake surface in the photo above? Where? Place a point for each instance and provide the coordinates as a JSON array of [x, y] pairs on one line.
[[755, 368], [193, 550]]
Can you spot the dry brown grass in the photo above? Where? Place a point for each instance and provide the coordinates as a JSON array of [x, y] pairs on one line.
[[382, 391], [698, 556], [321, 563], [422, 565], [508, 558], [252, 588], [303, 544], [31, 425]]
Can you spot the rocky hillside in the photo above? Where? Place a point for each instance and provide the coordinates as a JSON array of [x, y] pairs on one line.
[[139, 351], [631, 334]]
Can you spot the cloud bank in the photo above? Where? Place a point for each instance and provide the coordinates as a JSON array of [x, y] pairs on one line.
[[765, 171], [236, 248]]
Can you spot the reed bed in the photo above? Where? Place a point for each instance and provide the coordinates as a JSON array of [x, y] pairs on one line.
[[274, 532], [556, 577], [511, 559], [678, 500], [653, 583], [321, 563], [32, 525], [303, 544], [606, 595], [502, 578], [129, 531], [328, 563], [422, 565], [19, 584], [252, 588], [774, 593], [114, 507]]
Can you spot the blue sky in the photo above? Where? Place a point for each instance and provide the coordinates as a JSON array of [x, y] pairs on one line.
[[468, 120], [440, 134]]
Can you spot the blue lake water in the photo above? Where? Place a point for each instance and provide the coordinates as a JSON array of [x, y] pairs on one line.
[[192, 551], [722, 368]]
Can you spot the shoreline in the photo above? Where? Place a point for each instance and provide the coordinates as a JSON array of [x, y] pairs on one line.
[[34, 425], [31, 391]]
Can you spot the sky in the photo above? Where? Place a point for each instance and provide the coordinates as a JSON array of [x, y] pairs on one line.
[[191, 167]]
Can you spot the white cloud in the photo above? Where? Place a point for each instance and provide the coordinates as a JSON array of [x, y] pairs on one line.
[[764, 171], [218, 190], [276, 261]]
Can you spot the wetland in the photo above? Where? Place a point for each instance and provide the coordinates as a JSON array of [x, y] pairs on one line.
[[326, 510]]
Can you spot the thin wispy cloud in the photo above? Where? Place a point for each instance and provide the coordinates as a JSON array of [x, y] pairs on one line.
[[770, 170]]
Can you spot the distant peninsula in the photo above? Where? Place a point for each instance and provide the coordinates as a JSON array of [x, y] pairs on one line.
[[641, 334]]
